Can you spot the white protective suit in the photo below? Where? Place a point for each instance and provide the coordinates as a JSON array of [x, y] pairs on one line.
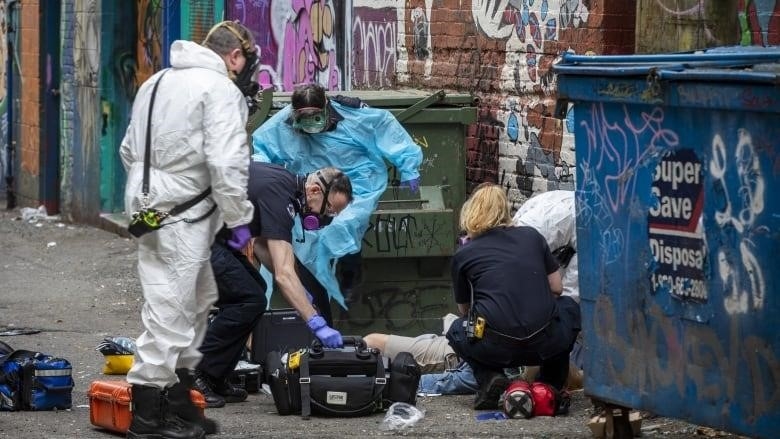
[[552, 214], [198, 140], [358, 146]]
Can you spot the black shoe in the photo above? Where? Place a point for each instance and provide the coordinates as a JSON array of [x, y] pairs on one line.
[[227, 390], [490, 392], [152, 418], [202, 384], [563, 403]]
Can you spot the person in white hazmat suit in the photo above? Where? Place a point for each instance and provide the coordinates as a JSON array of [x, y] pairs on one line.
[[316, 131], [197, 179]]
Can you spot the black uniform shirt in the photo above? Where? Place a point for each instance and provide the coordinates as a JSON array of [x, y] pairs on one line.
[[508, 268], [274, 192]]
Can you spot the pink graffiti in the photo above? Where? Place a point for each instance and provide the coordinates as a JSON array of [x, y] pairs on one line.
[[304, 59]]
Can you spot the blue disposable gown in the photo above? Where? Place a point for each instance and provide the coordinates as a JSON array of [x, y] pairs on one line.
[[358, 146]]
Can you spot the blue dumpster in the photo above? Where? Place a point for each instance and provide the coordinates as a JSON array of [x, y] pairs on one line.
[[678, 232]]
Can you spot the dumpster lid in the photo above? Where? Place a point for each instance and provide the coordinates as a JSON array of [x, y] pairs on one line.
[[389, 98], [738, 63]]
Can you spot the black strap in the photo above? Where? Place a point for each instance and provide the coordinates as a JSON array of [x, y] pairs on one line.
[[148, 147], [189, 203], [147, 154], [305, 381]]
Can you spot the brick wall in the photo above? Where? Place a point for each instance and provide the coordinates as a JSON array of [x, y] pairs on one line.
[[505, 58], [67, 110], [30, 103]]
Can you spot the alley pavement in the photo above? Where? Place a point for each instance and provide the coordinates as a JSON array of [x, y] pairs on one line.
[[64, 287]]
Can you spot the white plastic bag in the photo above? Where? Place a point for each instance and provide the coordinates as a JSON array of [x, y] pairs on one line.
[[401, 415]]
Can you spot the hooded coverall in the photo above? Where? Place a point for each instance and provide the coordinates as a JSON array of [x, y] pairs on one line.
[[358, 145], [198, 140]]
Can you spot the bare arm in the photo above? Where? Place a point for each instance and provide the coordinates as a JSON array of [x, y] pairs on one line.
[[277, 255], [464, 308], [556, 284]]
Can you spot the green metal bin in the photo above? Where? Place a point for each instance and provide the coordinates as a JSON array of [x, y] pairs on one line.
[[406, 252]]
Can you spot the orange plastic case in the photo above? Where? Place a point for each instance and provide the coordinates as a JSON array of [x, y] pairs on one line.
[[109, 404]]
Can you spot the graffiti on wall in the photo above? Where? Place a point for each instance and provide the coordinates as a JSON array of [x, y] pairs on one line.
[[4, 153], [399, 234], [297, 39], [741, 274], [149, 51], [374, 34], [633, 164], [759, 22], [86, 57], [397, 309], [614, 152], [746, 363], [534, 156]]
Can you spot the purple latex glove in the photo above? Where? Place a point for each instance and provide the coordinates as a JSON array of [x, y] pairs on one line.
[[329, 337], [240, 237], [414, 184]]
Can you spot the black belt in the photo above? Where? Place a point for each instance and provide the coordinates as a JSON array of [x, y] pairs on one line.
[[516, 341]]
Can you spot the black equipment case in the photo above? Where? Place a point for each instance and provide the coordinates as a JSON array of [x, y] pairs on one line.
[[330, 382], [281, 330]]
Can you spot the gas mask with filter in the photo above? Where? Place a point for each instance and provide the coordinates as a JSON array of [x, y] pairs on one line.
[[311, 220], [245, 78]]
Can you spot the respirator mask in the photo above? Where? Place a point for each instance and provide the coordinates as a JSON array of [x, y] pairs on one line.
[[245, 78], [317, 220], [311, 120]]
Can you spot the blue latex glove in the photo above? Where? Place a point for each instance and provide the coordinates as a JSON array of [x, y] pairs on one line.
[[414, 184], [329, 337], [240, 237]]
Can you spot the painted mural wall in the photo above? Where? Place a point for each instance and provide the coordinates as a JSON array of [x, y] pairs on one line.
[[759, 22], [4, 101], [299, 40], [500, 50]]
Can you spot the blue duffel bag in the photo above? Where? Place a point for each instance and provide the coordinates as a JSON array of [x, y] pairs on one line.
[[34, 381]]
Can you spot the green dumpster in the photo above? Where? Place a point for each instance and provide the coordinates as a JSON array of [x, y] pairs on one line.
[[405, 285]]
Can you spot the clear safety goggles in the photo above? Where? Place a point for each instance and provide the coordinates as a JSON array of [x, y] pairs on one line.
[[311, 120]]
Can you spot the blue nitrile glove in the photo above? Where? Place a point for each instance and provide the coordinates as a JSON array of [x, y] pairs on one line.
[[329, 337], [414, 184], [240, 237]]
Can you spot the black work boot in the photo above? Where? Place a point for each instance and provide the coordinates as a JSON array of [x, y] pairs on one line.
[[202, 384], [180, 403], [490, 392], [151, 419]]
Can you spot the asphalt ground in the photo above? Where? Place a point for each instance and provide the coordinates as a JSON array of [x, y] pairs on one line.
[[64, 287]]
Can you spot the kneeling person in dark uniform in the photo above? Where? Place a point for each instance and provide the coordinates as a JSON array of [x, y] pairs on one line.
[[508, 287], [278, 196]]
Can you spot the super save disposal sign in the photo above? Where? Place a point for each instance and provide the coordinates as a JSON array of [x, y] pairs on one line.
[[675, 230]]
